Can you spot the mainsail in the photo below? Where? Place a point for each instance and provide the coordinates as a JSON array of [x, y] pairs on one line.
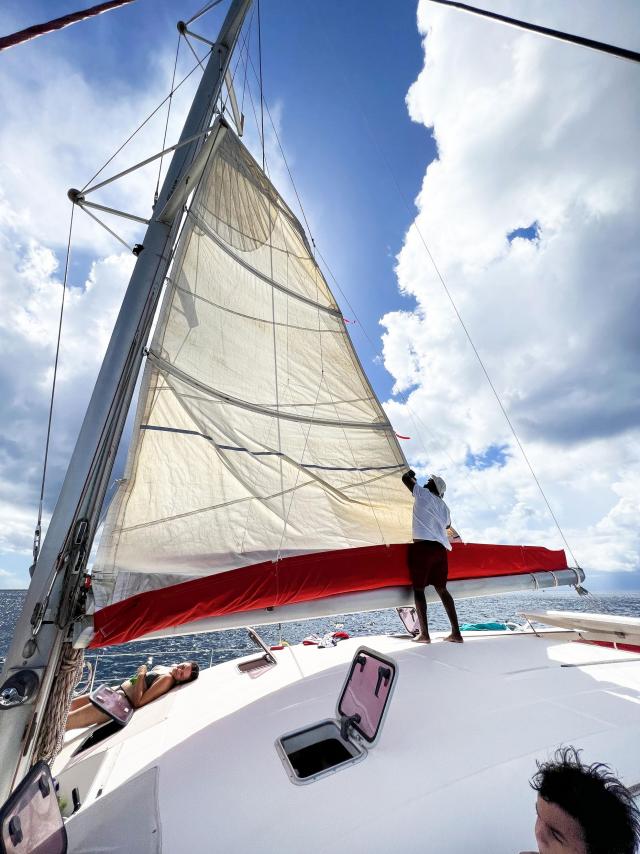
[[263, 471], [257, 435]]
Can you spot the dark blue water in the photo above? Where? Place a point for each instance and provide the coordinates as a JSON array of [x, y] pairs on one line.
[[215, 647]]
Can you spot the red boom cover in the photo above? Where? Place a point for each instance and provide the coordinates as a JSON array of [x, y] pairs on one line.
[[301, 579]]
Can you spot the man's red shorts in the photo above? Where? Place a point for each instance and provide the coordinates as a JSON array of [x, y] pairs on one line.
[[428, 563]]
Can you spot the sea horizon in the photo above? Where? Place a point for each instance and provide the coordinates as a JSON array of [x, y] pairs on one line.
[[210, 648]]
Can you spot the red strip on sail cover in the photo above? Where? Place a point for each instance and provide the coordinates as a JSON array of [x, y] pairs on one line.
[[302, 579]]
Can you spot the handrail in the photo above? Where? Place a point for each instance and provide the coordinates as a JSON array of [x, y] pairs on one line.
[[94, 659]]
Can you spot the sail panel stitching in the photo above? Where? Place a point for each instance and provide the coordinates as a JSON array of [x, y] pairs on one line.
[[210, 233], [192, 295], [171, 370]]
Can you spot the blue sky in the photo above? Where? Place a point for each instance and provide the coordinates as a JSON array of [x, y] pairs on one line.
[[529, 209]]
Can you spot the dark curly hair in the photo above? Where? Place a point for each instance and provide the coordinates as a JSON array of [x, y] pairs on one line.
[[597, 800]]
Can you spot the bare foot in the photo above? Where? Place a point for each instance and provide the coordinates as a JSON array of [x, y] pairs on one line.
[[421, 638], [454, 639]]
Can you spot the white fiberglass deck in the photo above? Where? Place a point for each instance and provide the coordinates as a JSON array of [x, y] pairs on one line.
[[198, 771]]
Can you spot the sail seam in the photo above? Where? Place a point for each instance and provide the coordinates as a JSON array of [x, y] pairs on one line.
[[169, 369], [186, 432], [245, 316], [220, 243]]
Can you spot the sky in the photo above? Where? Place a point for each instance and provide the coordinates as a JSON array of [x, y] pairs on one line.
[[415, 134]]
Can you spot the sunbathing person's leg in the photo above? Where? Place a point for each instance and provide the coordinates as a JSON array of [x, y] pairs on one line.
[[85, 715], [79, 702]]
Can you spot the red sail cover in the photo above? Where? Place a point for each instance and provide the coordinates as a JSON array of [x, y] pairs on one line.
[[302, 579]]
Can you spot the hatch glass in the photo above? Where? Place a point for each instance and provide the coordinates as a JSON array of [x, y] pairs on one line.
[[30, 820], [366, 692], [409, 619]]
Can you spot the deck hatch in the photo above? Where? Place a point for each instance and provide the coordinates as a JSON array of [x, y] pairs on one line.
[[325, 747], [30, 820], [409, 618], [257, 666]]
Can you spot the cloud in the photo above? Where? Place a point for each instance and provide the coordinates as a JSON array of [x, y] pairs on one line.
[[30, 292], [529, 131], [71, 127]]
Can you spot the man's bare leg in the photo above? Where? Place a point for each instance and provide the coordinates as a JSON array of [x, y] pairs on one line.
[[450, 608], [421, 611]]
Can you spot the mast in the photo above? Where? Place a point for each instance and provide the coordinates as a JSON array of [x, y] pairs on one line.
[[54, 597]]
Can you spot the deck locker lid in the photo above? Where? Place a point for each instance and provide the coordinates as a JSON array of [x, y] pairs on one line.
[[367, 692]]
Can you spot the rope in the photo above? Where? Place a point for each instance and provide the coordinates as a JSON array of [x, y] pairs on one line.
[[59, 23], [51, 735], [38, 531]]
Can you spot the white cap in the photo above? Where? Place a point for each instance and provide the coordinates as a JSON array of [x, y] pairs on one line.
[[441, 486]]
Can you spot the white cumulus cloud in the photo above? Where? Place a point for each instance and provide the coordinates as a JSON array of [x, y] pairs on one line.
[[538, 136]]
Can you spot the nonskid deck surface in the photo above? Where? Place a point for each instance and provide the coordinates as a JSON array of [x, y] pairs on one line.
[[198, 771]]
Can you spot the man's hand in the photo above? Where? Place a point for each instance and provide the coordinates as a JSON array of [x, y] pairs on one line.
[[409, 479]]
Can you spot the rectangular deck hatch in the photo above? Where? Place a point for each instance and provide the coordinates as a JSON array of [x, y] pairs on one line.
[[30, 820], [257, 666], [409, 619], [325, 747]]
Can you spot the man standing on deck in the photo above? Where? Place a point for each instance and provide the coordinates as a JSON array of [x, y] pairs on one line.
[[428, 560]]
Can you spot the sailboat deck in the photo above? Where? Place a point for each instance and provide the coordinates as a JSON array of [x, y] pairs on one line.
[[450, 772]]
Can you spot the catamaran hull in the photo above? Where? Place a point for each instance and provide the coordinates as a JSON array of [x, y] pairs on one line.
[[199, 770]]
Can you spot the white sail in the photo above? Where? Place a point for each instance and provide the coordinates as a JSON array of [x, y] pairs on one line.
[[257, 434]]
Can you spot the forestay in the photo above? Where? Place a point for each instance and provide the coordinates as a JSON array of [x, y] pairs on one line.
[[257, 435]]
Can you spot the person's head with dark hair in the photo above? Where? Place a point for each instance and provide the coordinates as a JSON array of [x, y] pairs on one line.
[[187, 671], [583, 809]]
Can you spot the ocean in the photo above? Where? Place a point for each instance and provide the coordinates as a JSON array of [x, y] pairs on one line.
[[118, 662]]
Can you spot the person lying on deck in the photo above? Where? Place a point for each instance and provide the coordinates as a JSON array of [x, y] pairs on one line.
[[428, 561], [140, 689]]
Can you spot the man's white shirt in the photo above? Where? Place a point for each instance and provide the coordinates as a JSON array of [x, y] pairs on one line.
[[430, 517]]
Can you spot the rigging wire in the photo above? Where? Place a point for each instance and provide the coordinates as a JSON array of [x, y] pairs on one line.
[[138, 129], [603, 47], [38, 530], [261, 86], [149, 302], [409, 209], [166, 124], [449, 296], [344, 296], [193, 51], [206, 8], [484, 369]]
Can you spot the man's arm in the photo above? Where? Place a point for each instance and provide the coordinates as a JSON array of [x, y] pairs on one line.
[[409, 480], [453, 535]]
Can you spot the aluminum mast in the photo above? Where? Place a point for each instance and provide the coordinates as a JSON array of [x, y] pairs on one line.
[[51, 597]]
